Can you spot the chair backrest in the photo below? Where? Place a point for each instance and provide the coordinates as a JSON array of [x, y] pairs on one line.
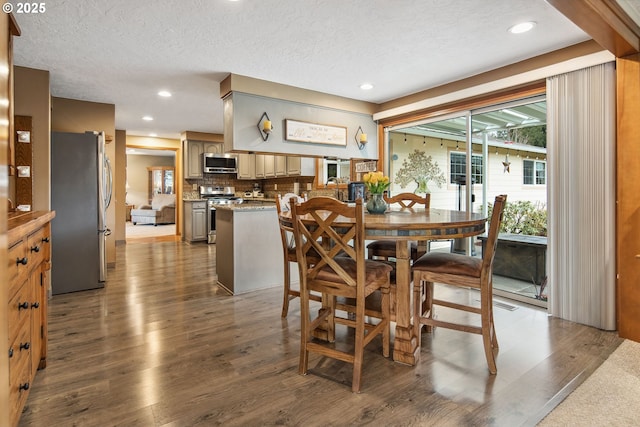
[[492, 237], [286, 231], [408, 200], [328, 226]]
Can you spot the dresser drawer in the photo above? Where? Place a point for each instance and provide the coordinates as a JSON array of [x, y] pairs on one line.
[[19, 371], [19, 310], [37, 247], [18, 263]]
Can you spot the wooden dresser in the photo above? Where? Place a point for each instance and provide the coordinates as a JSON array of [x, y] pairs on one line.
[[29, 238]]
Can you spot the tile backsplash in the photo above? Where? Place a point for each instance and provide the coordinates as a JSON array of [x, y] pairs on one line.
[[270, 187]]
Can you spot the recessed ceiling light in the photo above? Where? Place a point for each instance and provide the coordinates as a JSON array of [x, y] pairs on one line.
[[522, 27], [164, 94], [366, 86], [147, 118]]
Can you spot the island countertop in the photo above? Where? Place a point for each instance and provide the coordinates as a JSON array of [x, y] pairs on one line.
[[248, 247], [248, 206]]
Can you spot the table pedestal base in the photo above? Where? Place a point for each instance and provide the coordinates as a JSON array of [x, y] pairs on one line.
[[405, 346]]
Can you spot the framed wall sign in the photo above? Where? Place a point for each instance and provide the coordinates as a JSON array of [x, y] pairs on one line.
[[315, 133]]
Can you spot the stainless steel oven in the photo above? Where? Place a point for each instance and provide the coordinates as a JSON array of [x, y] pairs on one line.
[[216, 196]]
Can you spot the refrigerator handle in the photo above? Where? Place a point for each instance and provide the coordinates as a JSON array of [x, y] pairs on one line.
[[108, 181]]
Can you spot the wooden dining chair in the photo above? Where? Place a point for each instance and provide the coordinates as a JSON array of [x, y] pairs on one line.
[[289, 252], [463, 271], [335, 231], [386, 249]]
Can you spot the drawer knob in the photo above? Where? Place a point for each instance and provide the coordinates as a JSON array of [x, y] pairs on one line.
[[24, 346], [24, 386], [35, 249], [46, 239], [22, 261], [35, 304], [23, 305], [10, 352]]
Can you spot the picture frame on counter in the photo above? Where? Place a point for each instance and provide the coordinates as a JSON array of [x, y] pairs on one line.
[[315, 133]]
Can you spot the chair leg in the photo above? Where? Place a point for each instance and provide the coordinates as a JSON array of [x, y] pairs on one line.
[[359, 349], [428, 303], [305, 333], [386, 315], [488, 331], [287, 289]]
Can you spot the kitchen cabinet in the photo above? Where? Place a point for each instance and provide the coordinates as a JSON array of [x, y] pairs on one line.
[[246, 166], [192, 153], [301, 166], [280, 165], [274, 166], [260, 166], [161, 180], [269, 166], [195, 220], [29, 263]]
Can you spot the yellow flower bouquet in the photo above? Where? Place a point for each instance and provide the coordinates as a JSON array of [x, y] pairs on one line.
[[376, 182]]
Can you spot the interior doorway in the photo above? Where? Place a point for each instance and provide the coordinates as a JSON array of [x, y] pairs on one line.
[[150, 183]]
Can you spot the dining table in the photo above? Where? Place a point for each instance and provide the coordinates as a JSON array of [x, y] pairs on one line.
[[404, 225]]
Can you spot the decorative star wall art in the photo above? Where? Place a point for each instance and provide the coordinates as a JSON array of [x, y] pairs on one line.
[[506, 164]]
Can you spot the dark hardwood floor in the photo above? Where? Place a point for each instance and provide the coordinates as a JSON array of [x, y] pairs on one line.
[[162, 345]]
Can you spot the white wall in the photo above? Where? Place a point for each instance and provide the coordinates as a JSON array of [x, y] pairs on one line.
[[498, 181], [242, 112], [138, 176]]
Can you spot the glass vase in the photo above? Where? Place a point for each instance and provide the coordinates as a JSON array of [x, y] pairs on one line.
[[376, 204]]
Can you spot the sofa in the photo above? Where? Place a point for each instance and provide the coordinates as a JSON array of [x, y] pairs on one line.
[[161, 211]]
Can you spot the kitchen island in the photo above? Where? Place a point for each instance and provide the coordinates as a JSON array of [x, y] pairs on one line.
[[248, 247]]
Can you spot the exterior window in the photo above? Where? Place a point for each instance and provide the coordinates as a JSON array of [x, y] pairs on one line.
[[458, 167], [534, 172]]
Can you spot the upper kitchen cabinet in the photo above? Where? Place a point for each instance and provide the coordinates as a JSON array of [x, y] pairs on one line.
[[193, 151], [301, 166], [246, 166], [264, 166], [280, 165], [194, 145]]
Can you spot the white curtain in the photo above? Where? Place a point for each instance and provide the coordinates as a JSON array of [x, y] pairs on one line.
[[581, 159]]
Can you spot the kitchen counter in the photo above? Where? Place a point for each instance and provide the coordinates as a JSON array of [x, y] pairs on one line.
[[248, 247], [20, 224], [249, 206]]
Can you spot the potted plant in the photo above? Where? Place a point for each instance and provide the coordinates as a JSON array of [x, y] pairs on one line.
[[421, 169], [376, 183]]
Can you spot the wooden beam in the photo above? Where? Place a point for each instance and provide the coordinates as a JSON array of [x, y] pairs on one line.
[[605, 21], [628, 203]]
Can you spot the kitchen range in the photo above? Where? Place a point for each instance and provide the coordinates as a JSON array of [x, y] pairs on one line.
[[216, 196]]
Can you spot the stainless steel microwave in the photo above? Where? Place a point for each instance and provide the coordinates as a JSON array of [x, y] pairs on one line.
[[219, 163]]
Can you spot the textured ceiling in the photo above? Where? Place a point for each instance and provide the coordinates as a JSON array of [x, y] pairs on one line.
[[123, 51]]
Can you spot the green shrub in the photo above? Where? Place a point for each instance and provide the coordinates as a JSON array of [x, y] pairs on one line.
[[523, 217]]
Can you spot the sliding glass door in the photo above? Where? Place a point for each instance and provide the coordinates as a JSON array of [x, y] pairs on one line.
[[464, 161]]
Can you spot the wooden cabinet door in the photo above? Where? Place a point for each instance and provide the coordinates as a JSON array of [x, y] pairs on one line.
[[260, 166], [192, 152], [281, 165], [214, 147], [269, 166], [246, 166], [199, 224]]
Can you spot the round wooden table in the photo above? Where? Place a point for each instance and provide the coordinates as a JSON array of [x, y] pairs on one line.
[[404, 226]]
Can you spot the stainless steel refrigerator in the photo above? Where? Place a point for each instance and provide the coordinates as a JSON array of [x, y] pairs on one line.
[[81, 182]]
